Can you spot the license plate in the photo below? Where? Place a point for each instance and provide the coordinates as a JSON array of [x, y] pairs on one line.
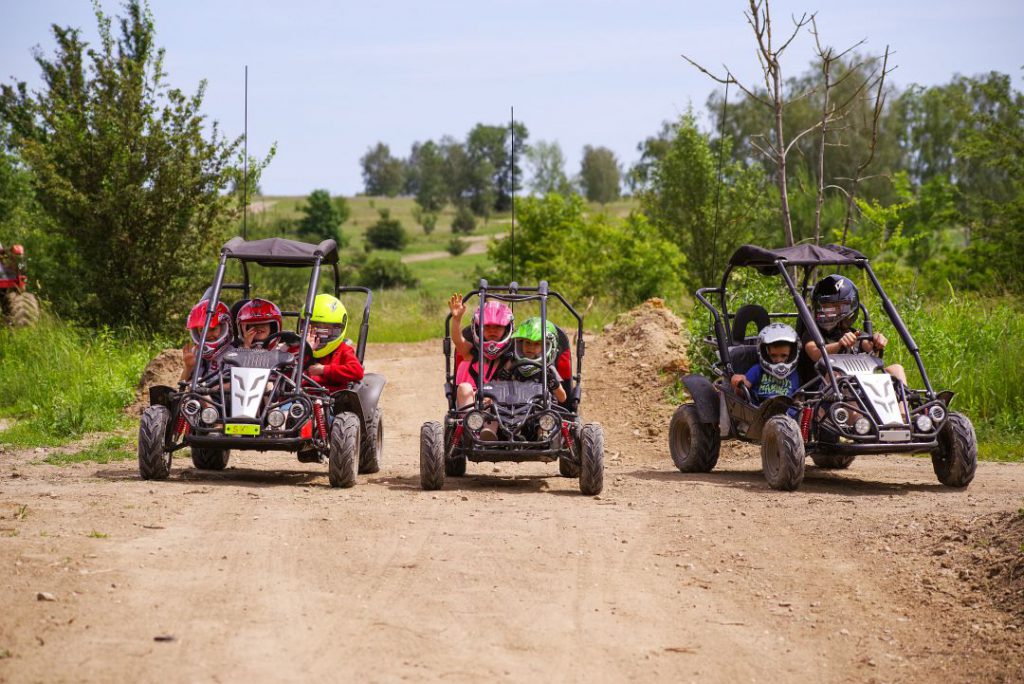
[[894, 435], [241, 429]]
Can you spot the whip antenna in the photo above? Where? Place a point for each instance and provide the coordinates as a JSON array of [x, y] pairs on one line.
[[245, 162], [718, 190], [512, 161]]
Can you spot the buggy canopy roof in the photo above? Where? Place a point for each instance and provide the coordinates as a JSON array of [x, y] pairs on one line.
[[798, 255], [280, 251]]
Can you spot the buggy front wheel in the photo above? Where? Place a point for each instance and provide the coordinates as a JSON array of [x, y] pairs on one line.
[[956, 457], [432, 466], [154, 459], [694, 445], [833, 461], [592, 459], [210, 459], [782, 453], [344, 454]]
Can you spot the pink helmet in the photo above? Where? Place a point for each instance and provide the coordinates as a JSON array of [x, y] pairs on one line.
[[495, 313]]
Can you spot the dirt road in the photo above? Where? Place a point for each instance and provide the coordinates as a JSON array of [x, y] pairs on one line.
[[264, 573]]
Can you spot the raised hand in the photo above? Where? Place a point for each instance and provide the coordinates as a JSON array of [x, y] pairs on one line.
[[456, 306]]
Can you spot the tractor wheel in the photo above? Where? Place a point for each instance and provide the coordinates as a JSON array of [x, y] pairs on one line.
[[432, 467], [694, 445], [782, 453], [956, 457], [154, 459], [344, 456], [23, 309], [369, 451], [833, 461], [592, 459], [210, 459]]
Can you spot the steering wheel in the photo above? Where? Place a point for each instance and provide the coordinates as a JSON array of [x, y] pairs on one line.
[[288, 338], [745, 393], [527, 362], [867, 337]]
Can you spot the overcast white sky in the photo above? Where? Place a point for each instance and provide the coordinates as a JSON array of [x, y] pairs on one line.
[[329, 79]]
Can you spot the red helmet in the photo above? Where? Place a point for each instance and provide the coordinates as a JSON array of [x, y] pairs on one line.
[[221, 317], [257, 311], [495, 313]]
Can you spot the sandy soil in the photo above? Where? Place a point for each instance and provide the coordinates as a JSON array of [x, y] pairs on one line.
[[262, 572]]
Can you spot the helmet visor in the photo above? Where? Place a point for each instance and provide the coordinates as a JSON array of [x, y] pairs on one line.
[[326, 334], [829, 314]]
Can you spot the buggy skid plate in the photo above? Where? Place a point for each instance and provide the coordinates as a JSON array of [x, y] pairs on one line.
[[246, 443], [501, 455]]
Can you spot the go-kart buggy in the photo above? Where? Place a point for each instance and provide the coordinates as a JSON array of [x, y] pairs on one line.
[[261, 399], [20, 307], [530, 424], [846, 406]]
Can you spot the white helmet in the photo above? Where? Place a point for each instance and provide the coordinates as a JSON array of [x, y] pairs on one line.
[[778, 333]]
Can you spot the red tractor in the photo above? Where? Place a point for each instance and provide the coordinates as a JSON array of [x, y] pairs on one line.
[[19, 307]]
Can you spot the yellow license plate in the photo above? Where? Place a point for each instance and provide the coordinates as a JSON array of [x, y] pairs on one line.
[[241, 429]]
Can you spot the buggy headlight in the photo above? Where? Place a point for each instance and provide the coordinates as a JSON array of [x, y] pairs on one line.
[[547, 422], [298, 410], [209, 415], [475, 421], [841, 415], [924, 423], [275, 418], [191, 407], [936, 412], [862, 426]]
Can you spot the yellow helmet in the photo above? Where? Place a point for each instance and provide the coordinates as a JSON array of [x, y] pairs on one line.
[[329, 323]]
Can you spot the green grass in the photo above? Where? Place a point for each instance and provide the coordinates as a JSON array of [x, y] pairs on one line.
[[61, 382], [116, 448]]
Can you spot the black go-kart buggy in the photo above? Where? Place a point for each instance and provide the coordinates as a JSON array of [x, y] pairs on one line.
[[531, 424], [846, 405], [261, 399]]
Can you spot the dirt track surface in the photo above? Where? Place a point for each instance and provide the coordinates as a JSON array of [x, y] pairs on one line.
[[264, 573]]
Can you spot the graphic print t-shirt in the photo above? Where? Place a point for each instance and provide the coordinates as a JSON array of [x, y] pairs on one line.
[[765, 385]]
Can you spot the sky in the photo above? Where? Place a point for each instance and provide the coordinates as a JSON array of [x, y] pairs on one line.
[[329, 79]]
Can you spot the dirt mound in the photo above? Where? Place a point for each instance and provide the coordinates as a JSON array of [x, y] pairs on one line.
[[629, 372], [165, 369]]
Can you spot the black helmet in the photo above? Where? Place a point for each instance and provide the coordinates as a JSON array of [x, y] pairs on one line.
[[834, 300]]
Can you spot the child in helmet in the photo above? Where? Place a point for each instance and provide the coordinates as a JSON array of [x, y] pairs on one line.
[[835, 303], [498, 321], [528, 345], [778, 349], [257, 320], [217, 338], [335, 363]]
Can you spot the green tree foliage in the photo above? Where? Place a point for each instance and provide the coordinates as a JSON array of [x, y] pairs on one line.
[[547, 166], [322, 218], [386, 273], [124, 171], [683, 195], [586, 254], [491, 166], [464, 221], [427, 177], [426, 219], [599, 175], [383, 174], [387, 232], [457, 246]]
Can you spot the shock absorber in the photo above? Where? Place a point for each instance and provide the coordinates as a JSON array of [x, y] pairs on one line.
[[181, 427], [318, 418], [805, 423]]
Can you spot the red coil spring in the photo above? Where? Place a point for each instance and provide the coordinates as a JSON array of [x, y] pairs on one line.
[[566, 435], [181, 427], [318, 417], [805, 423]]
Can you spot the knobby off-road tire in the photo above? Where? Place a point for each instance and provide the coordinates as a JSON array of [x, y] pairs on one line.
[[369, 450], [432, 465], [567, 468], [833, 461], [23, 309], [956, 457], [591, 459], [782, 453], [694, 445], [344, 456], [210, 459], [154, 460]]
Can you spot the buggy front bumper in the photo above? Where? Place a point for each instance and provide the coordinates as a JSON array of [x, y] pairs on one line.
[[245, 443], [872, 448]]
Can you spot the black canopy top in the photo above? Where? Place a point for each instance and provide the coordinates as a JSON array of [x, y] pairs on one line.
[[280, 251], [798, 255]]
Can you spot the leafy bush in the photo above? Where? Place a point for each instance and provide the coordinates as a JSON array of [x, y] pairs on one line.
[[379, 272], [457, 246], [387, 233], [426, 219], [464, 221]]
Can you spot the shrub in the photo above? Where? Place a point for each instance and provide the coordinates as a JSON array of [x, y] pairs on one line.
[[464, 221], [426, 219], [457, 246], [387, 233], [379, 272]]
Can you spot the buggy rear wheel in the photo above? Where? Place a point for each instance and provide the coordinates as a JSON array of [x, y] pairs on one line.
[[344, 456], [432, 465], [956, 457], [154, 459], [210, 459], [592, 459], [833, 461], [782, 453], [694, 445], [369, 450]]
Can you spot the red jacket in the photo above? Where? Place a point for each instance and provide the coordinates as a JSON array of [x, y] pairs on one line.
[[340, 368]]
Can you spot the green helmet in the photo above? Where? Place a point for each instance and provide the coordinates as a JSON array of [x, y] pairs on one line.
[[530, 331]]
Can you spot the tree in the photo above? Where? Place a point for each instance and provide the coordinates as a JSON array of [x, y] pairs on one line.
[[427, 166], [492, 166], [385, 273], [652, 150], [547, 166], [464, 221], [322, 217], [387, 232], [123, 169], [383, 174], [599, 174]]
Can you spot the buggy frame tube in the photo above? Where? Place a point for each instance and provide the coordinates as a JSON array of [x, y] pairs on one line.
[[901, 328], [720, 330], [213, 297], [809, 323], [314, 281], [364, 327], [543, 291]]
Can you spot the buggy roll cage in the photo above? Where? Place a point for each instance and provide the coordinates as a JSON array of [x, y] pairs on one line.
[[281, 252], [513, 293], [809, 258]]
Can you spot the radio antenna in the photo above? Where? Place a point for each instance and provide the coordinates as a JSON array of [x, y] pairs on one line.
[[245, 162], [512, 162], [718, 189]]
